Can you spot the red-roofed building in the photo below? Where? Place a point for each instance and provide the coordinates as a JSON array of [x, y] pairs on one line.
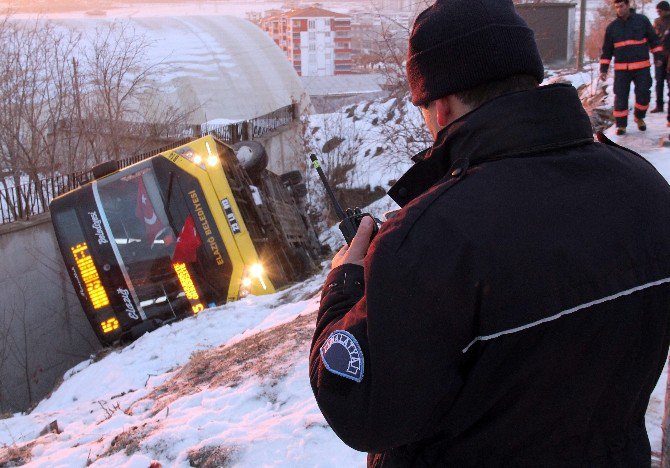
[[316, 41]]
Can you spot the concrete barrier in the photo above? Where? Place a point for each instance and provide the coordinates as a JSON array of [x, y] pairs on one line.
[[284, 148], [43, 330]]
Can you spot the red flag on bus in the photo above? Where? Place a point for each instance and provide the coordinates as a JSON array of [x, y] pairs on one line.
[[145, 212], [187, 243]]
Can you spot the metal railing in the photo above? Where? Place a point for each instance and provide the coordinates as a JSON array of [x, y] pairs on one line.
[[22, 201]]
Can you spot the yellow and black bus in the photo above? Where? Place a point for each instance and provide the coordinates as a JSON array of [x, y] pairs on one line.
[[184, 230]]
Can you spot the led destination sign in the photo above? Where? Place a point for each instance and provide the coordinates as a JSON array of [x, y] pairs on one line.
[[188, 286], [89, 275], [109, 325]]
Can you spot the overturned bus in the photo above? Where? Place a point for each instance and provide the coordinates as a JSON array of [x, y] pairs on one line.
[[187, 229]]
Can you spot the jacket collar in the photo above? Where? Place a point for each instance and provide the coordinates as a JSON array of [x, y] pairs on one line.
[[513, 125]]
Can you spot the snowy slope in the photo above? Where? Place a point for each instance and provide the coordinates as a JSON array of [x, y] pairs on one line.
[[243, 396]]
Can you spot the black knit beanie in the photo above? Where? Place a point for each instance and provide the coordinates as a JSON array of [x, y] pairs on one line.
[[459, 44]]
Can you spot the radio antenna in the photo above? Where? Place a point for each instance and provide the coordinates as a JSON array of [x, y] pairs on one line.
[[338, 209]]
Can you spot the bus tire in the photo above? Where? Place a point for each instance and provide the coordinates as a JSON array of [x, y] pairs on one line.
[[104, 168], [302, 263], [291, 177], [299, 191], [252, 157]]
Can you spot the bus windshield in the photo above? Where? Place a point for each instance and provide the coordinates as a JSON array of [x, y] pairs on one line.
[[156, 242]]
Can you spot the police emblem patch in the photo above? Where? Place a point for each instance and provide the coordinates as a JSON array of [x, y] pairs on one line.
[[342, 355]]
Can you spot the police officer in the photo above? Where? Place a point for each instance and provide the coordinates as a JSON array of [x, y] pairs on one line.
[[628, 39], [514, 312]]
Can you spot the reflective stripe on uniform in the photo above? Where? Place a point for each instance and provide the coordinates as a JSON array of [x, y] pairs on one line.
[[630, 42], [568, 312], [657, 49], [622, 113], [632, 65], [641, 106], [605, 61]]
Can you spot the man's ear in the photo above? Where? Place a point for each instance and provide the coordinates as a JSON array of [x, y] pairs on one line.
[[444, 111]]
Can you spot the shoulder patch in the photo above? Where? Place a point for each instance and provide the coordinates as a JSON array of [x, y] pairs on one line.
[[342, 355]]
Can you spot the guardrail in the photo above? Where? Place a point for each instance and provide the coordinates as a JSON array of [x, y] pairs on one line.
[[22, 201]]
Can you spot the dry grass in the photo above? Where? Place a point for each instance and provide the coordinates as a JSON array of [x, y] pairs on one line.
[[264, 354], [212, 457], [14, 455], [128, 441]]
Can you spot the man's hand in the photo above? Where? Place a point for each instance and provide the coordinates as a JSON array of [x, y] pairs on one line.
[[355, 253], [603, 77]]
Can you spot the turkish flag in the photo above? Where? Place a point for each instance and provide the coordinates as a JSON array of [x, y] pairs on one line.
[[187, 243], [145, 212]]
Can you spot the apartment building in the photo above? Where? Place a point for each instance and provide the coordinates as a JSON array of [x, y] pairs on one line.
[[316, 41]]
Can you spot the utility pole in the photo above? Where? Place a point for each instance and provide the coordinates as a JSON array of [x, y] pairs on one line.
[[582, 34]]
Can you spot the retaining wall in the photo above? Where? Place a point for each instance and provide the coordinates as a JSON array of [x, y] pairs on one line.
[[43, 330]]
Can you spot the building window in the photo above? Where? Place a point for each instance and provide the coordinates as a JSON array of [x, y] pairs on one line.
[[312, 47], [311, 24], [327, 33]]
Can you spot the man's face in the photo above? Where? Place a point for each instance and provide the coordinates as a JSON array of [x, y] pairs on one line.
[[430, 117], [622, 9]]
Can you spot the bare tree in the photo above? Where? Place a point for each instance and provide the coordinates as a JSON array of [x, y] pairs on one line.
[[403, 129], [119, 95], [335, 140], [68, 100], [35, 93], [599, 21]]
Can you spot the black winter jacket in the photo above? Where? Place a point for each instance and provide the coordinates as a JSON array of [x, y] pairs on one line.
[[661, 26], [515, 312], [629, 42]]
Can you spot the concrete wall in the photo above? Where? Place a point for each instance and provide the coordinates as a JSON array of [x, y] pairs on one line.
[[285, 148], [43, 330], [554, 27]]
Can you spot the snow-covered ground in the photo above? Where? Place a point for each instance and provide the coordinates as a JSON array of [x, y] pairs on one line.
[[230, 386], [144, 402]]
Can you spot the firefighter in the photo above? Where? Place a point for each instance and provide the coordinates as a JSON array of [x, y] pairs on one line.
[[661, 25], [628, 39]]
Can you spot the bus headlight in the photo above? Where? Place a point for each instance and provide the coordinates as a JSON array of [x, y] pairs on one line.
[[253, 273], [256, 270], [195, 158], [245, 287]]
